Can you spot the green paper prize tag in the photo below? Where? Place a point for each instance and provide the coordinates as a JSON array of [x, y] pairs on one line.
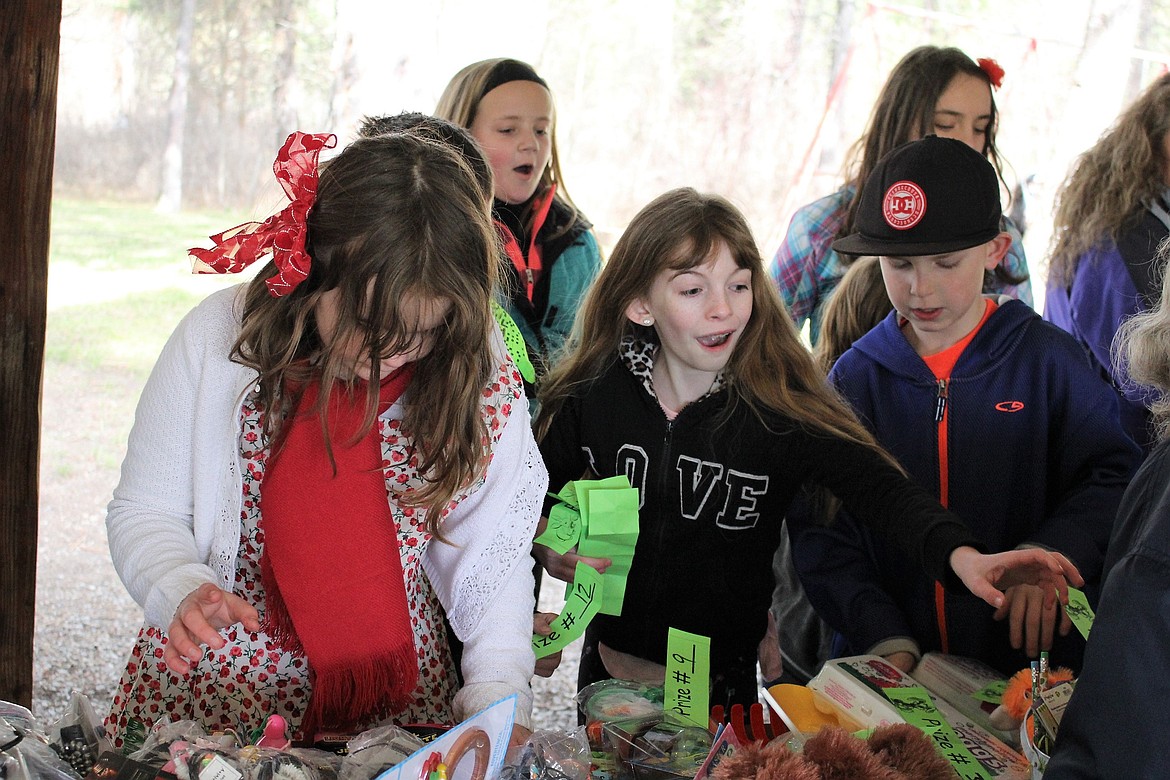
[[915, 705], [563, 530], [1079, 611], [568, 495], [581, 605], [609, 529], [688, 677], [993, 693]]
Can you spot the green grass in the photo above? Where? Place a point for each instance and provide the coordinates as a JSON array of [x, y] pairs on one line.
[[126, 333], [122, 248], [121, 236]]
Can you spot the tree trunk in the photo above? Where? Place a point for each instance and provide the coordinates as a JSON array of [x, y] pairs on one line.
[[283, 108], [831, 152], [30, 35], [1137, 66], [171, 197]]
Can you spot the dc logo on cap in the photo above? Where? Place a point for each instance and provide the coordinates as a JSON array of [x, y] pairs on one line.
[[904, 205]]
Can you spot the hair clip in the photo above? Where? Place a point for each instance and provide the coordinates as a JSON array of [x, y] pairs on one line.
[[282, 234], [993, 70]]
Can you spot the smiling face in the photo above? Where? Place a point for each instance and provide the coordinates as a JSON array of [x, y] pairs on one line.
[[426, 315], [699, 314], [941, 296], [963, 111], [513, 124]]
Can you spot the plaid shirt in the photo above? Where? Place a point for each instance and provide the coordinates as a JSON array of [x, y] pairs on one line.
[[806, 269]]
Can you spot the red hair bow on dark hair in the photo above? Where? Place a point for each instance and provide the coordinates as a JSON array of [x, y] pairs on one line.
[[282, 234], [993, 70]]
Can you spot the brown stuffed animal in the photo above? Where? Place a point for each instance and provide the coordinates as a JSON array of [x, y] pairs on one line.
[[900, 752]]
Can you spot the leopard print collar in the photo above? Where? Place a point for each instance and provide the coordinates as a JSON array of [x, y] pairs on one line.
[[637, 356]]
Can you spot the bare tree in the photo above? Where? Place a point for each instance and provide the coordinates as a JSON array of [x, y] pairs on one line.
[[1145, 27], [171, 198], [285, 78]]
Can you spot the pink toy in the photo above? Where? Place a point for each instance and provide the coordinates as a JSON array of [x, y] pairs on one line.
[[275, 734]]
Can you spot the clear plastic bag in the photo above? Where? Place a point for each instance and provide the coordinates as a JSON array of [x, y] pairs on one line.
[[156, 747], [376, 750], [25, 753], [550, 755], [206, 760], [259, 763], [79, 736]]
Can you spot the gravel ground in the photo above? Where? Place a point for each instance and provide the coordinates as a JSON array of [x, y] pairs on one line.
[[86, 622]]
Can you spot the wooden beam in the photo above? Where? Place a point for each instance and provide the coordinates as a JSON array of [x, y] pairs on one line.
[[30, 35]]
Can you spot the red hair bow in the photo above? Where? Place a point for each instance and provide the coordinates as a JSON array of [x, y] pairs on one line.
[[993, 70], [282, 234]]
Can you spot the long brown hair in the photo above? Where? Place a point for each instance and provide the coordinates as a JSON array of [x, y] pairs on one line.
[[459, 102], [856, 305], [904, 112], [770, 370], [397, 216], [1108, 184]]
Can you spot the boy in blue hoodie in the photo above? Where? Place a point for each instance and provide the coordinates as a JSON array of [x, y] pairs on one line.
[[982, 402]]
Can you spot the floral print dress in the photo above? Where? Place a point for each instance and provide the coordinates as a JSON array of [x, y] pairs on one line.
[[252, 677]]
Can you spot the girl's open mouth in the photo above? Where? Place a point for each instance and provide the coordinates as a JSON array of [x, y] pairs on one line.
[[716, 340], [524, 170]]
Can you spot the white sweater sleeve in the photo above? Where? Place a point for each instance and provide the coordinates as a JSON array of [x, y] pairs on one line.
[[173, 507], [483, 576]]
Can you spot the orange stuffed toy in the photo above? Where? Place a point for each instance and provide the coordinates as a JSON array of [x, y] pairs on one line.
[[1017, 697]]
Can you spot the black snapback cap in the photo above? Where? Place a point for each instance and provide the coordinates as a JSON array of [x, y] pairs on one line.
[[927, 197]]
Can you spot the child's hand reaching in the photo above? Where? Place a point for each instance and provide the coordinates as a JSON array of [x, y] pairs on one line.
[[1032, 621], [563, 567], [542, 626], [988, 575], [197, 621]]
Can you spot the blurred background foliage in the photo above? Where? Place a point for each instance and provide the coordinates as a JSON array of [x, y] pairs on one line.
[[183, 104]]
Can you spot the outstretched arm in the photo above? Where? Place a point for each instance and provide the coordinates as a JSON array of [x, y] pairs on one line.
[[987, 576]]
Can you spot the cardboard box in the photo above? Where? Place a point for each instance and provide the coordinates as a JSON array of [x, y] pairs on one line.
[[852, 688], [956, 679]]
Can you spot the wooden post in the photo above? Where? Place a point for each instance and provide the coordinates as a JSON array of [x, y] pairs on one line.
[[30, 34]]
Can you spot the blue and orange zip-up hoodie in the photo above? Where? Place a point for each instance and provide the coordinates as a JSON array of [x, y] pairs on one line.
[[1022, 441]]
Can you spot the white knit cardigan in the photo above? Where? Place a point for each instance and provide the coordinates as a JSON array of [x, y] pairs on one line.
[[174, 522]]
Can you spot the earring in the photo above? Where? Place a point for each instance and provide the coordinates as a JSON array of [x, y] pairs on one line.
[[648, 321]]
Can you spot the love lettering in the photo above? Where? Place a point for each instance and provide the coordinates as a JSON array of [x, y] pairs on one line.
[[703, 487]]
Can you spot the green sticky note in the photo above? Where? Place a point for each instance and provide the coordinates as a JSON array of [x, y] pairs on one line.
[[582, 602], [688, 677], [614, 595], [563, 530], [609, 529], [613, 513], [602, 548], [1079, 611], [915, 705], [568, 494], [993, 693]]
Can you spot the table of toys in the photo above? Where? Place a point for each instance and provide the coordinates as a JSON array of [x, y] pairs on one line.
[[858, 717], [952, 713]]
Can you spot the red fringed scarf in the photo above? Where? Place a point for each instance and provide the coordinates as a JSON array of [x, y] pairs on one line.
[[331, 567]]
